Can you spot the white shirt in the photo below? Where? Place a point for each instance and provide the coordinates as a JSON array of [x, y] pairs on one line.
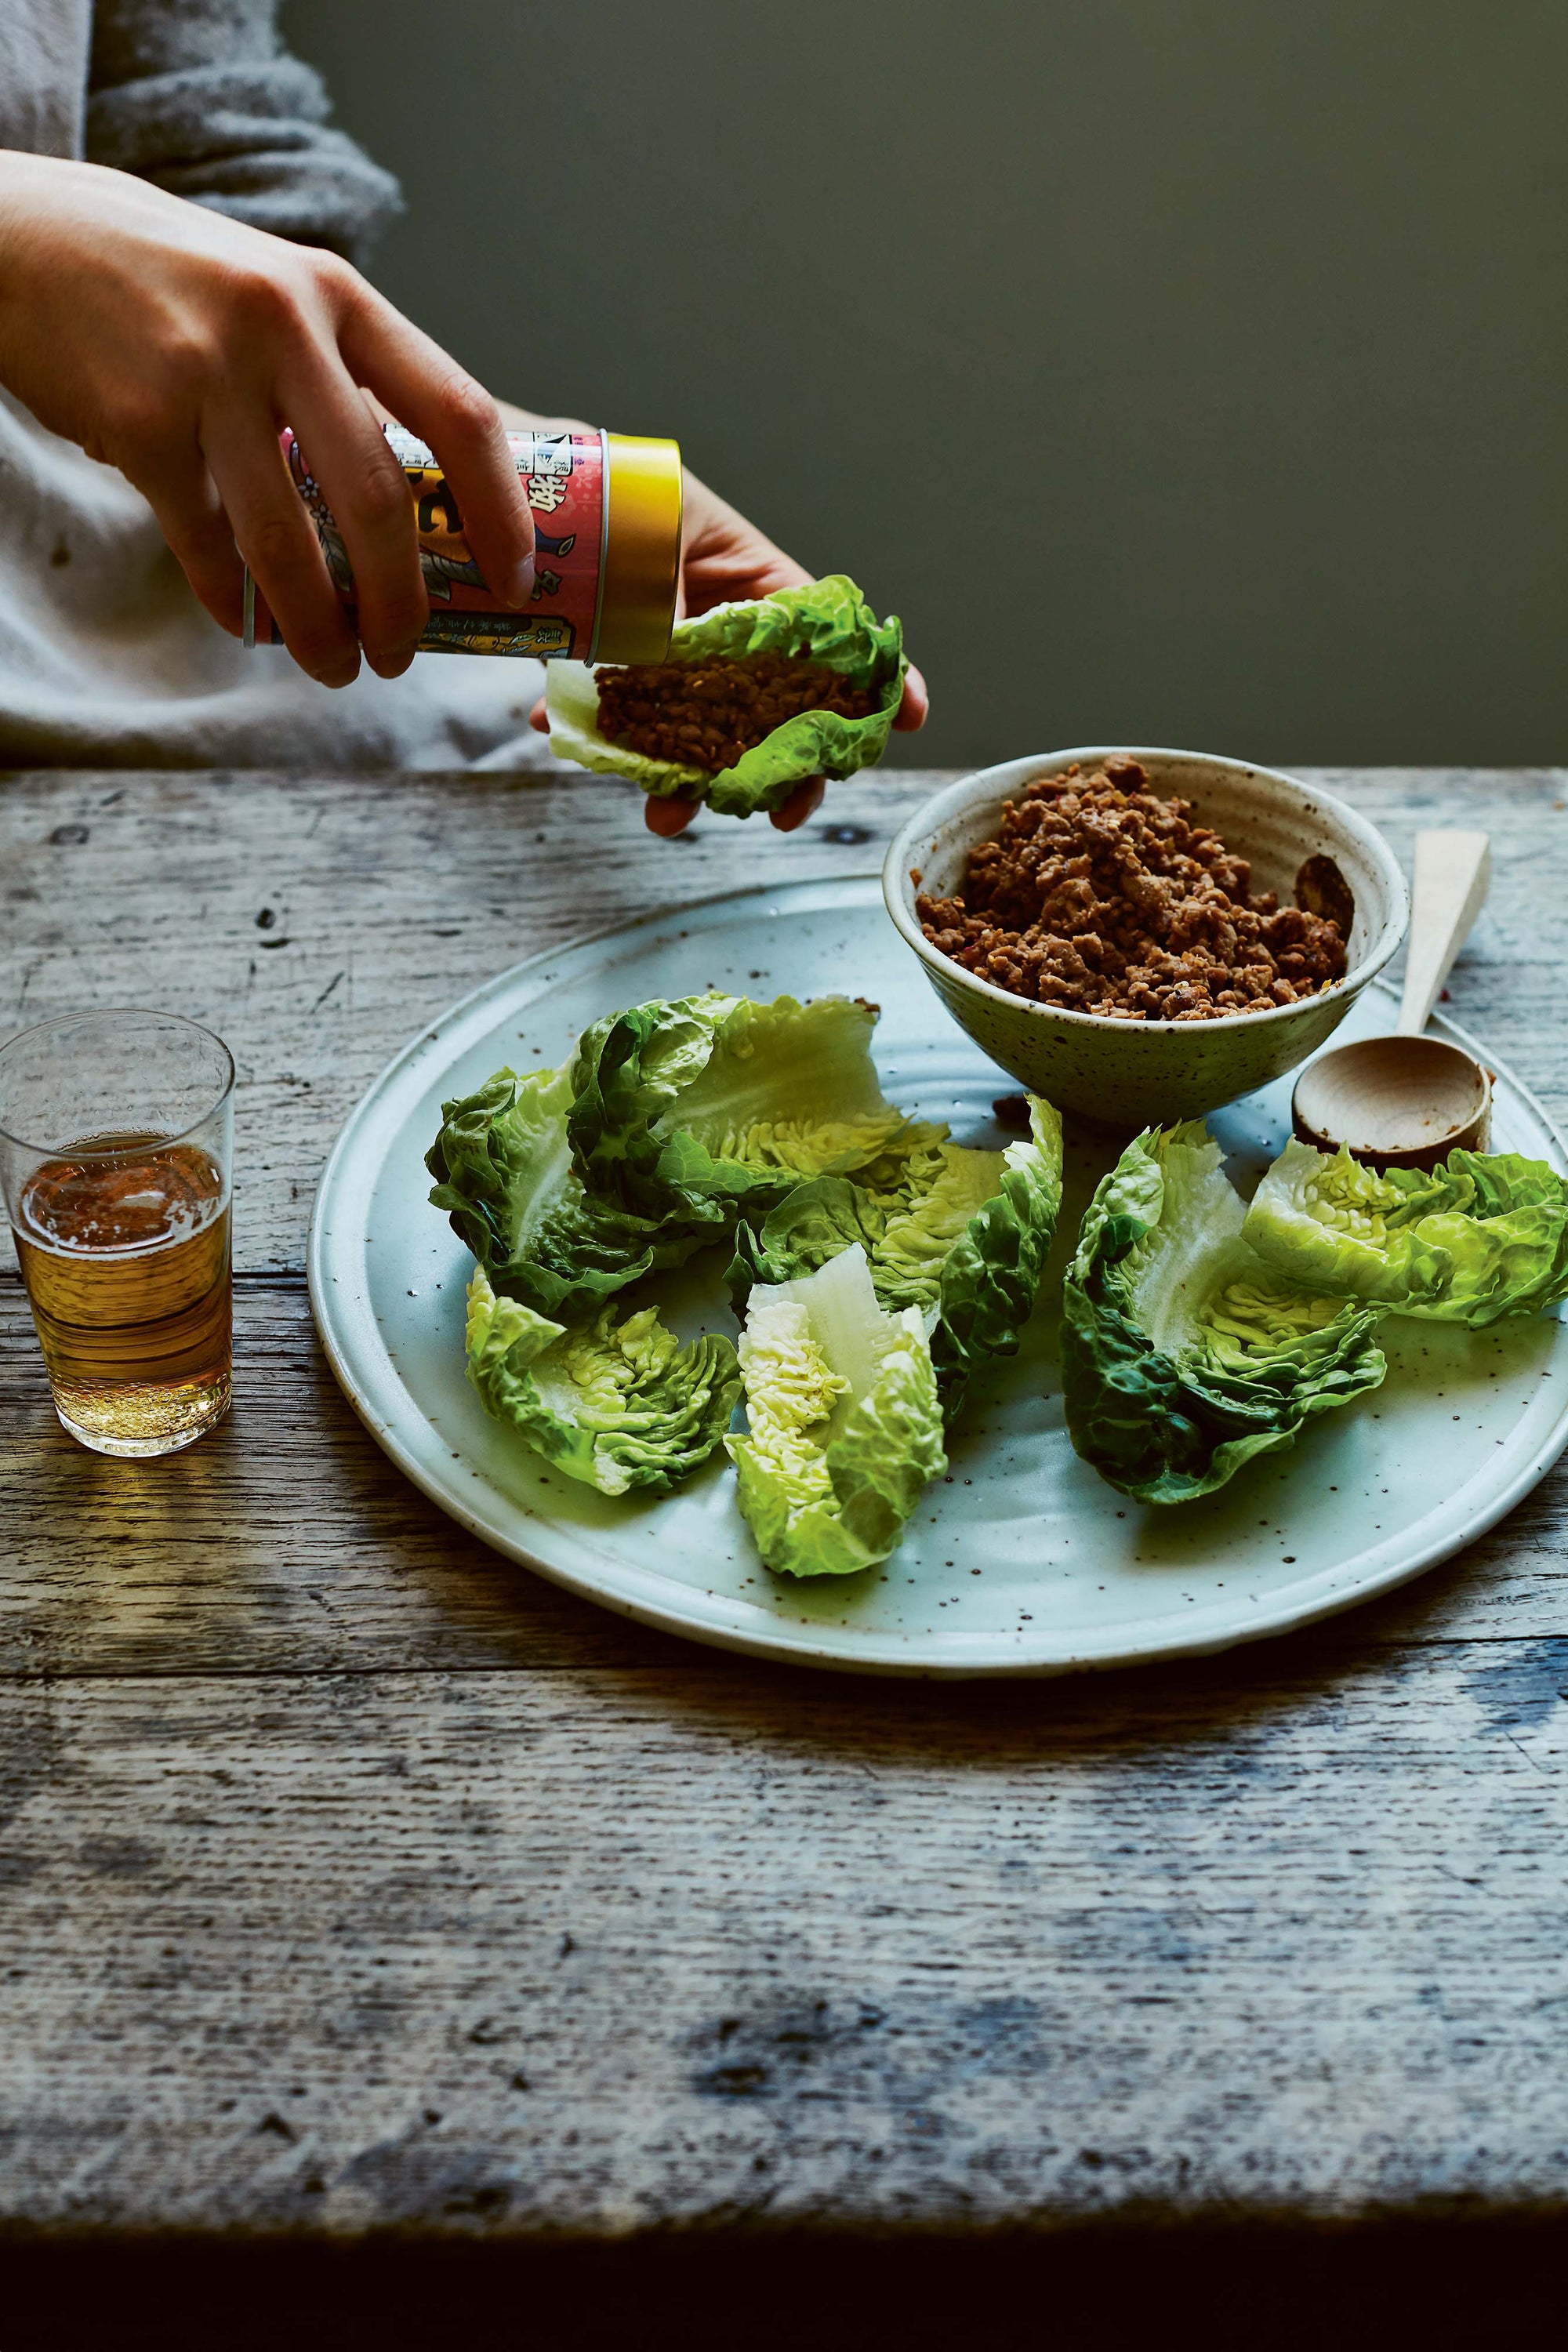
[[106, 657]]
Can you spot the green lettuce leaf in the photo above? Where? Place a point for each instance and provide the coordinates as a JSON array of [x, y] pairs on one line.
[[1183, 1354], [990, 1278], [844, 1424], [810, 1227], [1481, 1238], [696, 1108], [502, 1165], [616, 1405], [828, 622], [963, 1235]]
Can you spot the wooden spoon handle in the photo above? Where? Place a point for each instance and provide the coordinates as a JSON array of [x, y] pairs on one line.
[[1452, 871]]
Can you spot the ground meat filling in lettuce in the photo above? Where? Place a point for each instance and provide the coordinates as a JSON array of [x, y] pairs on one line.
[[707, 714], [1100, 897]]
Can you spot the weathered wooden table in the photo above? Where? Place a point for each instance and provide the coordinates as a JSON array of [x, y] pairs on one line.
[[355, 1880]]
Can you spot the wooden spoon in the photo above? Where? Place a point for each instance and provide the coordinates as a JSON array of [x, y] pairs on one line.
[[1406, 1101]]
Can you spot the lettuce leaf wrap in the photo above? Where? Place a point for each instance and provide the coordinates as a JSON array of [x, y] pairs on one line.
[[502, 1165], [844, 1425], [962, 1236], [1184, 1355], [615, 1405], [1481, 1238], [828, 622], [694, 1108]]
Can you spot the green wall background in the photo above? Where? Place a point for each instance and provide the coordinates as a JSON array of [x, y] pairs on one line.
[[1182, 371]]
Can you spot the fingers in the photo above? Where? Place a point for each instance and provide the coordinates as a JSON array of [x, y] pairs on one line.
[[191, 516], [539, 716], [667, 818], [802, 802], [278, 539], [462, 425], [912, 710], [364, 486]]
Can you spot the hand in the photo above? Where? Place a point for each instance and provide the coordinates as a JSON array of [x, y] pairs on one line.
[[725, 558], [174, 343]]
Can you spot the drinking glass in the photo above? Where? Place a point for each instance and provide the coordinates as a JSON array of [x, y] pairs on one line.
[[116, 1148]]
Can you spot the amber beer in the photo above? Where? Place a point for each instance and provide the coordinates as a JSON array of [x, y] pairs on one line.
[[126, 1260], [116, 1144]]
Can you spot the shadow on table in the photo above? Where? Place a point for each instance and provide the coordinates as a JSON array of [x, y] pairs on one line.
[[1235, 1695], [494, 1608], [286, 1543], [495, 1612], [1447, 2281]]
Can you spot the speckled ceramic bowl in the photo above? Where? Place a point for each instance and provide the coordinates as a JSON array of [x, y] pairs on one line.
[[1132, 1074]]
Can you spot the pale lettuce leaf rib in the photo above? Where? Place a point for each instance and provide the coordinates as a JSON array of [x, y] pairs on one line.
[[963, 1235], [1482, 1237], [1184, 1355], [505, 1176], [844, 1424]]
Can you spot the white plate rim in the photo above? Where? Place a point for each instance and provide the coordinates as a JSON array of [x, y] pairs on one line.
[[344, 1317]]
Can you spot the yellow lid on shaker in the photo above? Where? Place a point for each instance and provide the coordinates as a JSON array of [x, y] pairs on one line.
[[640, 568]]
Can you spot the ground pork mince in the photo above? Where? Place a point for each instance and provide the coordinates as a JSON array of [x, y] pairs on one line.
[[706, 714], [1097, 895]]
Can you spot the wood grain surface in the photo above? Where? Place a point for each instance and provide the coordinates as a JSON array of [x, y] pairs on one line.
[[353, 1876]]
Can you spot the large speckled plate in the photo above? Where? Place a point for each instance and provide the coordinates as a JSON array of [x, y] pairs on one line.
[[1022, 1561]]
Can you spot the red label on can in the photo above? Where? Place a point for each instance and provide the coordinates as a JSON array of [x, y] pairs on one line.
[[563, 477]]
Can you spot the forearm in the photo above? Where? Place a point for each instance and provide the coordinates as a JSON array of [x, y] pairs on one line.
[[171, 342]]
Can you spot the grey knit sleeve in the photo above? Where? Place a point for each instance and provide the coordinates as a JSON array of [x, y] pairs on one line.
[[200, 97]]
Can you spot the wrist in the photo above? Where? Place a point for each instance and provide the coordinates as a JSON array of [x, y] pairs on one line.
[[700, 506]]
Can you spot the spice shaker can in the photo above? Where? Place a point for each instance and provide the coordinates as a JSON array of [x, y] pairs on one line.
[[606, 550]]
